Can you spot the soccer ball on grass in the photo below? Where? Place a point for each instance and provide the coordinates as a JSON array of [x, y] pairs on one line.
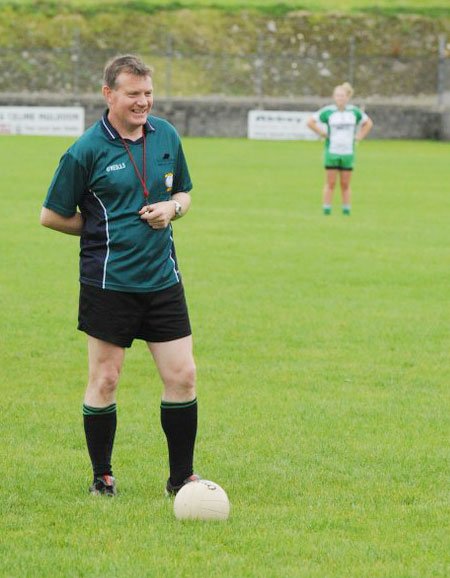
[[201, 500]]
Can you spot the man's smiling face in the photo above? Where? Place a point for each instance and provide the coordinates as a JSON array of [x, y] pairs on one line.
[[130, 102]]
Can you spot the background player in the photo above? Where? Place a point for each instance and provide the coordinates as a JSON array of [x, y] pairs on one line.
[[128, 176], [342, 120]]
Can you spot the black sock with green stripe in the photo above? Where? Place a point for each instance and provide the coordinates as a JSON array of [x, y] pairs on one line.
[[179, 422], [100, 429]]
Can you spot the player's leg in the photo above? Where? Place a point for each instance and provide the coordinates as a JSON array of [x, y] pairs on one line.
[[345, 178], [176, 366], [328, 189], [105, 364], [99, 409], [110, 319]]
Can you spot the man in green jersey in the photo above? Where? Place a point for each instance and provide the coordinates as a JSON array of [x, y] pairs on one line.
[[342, 120], [118, 187]]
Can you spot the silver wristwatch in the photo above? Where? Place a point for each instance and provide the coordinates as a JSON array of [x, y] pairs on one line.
[[178, 208]]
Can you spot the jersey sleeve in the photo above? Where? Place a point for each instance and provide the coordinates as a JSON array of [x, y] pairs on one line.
[[69, 183], [182, 180], [361, 116], [322, 115]]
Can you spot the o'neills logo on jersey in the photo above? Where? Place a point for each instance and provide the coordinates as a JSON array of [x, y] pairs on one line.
[[168, 180], [118, 167]]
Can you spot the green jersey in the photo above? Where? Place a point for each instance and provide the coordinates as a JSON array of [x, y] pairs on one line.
[[118, 250], [341, 127]]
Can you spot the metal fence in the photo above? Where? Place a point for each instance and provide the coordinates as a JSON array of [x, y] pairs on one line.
[[78, 70]]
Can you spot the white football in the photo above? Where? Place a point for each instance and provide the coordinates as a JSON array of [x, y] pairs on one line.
[[201, 500]]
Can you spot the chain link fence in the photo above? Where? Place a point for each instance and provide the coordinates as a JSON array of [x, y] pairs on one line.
[[78, 70]]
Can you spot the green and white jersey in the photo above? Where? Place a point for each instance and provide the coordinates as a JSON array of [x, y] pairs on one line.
[[119, 251], [341, 127]]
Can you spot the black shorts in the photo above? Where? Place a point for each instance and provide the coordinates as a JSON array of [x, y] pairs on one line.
[[119, 317]]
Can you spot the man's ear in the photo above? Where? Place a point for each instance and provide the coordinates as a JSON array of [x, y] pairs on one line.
[[107, 93]]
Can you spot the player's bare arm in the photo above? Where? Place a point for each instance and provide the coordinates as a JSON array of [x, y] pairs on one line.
[[312, 124], [365, 129], [159, 215], [69, 225]]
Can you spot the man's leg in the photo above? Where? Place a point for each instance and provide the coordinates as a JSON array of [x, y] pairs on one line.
[[99, 408], [175, 363]]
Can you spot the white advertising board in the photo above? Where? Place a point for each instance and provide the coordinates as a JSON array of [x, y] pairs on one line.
[[279, 125], [42, 120]]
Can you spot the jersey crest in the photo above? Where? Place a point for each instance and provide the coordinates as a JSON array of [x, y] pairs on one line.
[[168, 181]]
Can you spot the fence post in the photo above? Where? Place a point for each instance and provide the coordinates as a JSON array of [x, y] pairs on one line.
[[169, 65], [441, 70], [225, 73], [351, 61], [259, 65], [75, 57]]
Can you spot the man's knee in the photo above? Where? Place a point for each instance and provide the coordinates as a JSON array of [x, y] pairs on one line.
[[182, 377], [190, 375], [187, 375], [104, 380]]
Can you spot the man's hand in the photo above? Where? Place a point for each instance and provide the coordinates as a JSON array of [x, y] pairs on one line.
[[158, 215]]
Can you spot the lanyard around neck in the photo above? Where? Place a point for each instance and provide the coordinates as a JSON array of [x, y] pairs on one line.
[[141, 177]]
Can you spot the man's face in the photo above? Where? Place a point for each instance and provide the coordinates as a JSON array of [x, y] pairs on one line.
[[130, 101]]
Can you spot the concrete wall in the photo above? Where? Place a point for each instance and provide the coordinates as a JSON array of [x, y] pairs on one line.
[[213, 117], [208, 117], [445, 125]]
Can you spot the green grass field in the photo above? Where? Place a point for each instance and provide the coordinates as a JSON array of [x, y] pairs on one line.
[[432, 7], [322, 346]]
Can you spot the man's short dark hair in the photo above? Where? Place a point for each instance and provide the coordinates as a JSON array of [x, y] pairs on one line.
[[126, 63]]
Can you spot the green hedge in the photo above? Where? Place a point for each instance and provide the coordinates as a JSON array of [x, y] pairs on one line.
[[433, 9], [215, 50]]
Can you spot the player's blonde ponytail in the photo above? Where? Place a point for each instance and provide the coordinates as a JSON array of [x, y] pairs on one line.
[[348, 89]]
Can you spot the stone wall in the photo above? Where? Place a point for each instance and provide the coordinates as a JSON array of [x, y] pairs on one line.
[[228, 118], [214, 117]]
